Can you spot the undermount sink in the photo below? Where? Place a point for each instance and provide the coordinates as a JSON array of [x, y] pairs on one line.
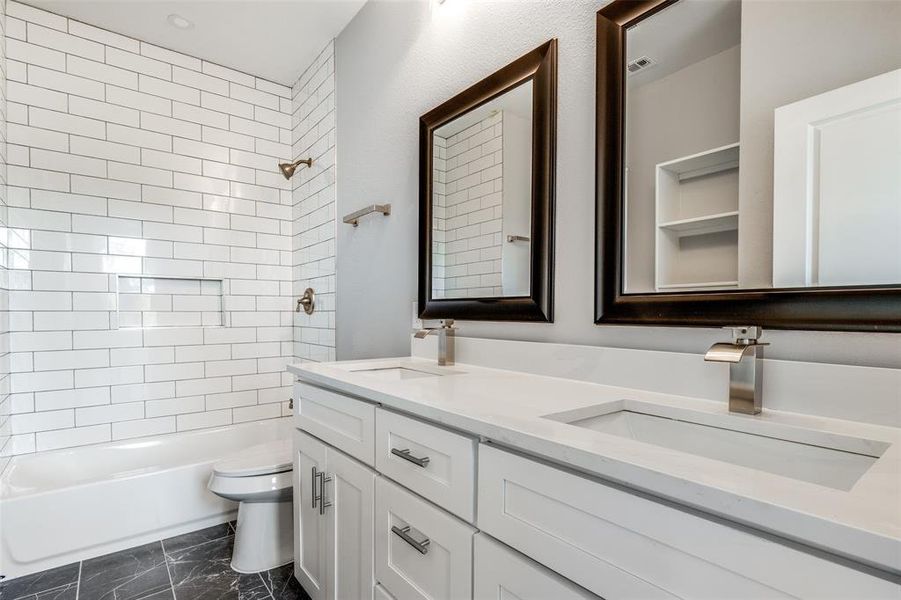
[[825, 459], [396, 373]]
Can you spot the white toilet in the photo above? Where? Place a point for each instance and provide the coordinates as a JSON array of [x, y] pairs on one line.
[[260, 479]]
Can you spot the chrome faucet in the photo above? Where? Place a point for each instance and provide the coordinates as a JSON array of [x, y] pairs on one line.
[[445, 335], [744, 356]]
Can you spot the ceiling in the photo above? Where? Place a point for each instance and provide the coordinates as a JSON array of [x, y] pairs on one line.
[[681, 35], [273, 39]]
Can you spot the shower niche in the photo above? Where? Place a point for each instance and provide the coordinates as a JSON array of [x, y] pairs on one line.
[[156, 302]]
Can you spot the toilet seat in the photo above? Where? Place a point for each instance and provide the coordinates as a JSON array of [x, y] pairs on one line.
[[262, 459]]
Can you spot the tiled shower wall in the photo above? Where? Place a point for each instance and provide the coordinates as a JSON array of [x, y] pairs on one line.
[[473, 209], [4, 279], [127, 159], [313, 245]]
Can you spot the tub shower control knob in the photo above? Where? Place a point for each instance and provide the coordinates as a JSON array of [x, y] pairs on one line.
[[307, 301]]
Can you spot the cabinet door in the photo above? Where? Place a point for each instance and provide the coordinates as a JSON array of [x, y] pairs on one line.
[[502, 573], [310, 527], [421, 552], [351, 493]]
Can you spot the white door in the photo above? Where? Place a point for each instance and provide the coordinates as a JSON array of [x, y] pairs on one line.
[[310, 559], [837, 186], [351, 493]]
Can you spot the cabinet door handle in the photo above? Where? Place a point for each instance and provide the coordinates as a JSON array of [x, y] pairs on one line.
[[313, 487], [323, 503], [405, 454], [404, 534]]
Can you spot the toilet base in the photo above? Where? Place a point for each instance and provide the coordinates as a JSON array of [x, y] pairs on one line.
[[264, 536]]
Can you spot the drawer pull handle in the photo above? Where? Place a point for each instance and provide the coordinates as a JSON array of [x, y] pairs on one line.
[[323, 479], [405, 454], [404, 534]]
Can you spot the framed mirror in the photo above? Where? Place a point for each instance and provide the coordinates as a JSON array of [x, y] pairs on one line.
[[486, 196], [749, 168]]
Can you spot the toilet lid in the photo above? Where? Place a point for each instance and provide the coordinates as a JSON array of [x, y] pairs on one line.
[[262, 459]]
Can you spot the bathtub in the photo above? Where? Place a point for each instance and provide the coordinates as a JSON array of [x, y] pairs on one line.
[[67, 505]]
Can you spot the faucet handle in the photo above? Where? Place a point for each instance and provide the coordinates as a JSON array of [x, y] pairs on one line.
[[745, 334]]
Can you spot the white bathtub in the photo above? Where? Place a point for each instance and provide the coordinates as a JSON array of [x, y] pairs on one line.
[[63, 506]]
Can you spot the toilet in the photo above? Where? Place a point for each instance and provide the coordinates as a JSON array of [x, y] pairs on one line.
[[259, 478]]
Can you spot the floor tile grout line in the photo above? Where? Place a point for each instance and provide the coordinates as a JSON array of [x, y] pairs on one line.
[[168, 572], [78, 581]]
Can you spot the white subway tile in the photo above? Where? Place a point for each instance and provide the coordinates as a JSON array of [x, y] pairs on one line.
[[139, 174], [98, 71], [204, 185], [175, 58], [15, 28], [231, 400], [200, 149], [253, 96], [166, 89], [103, 149], [57, 121], [103, 111], [197, 80], [169, 161], [27, 13], [222, 104], [64, 42], [105, 225], [36, 178], [138, 137], [39, 382], [39, 260], [70, 242], [171, 232], [40, 301], [62, 399], [66, 438], [94, 415], [41, 421], [269, 87], [121, 338], [249, 382], [229, 74], [106, 263], [35, 55], [173, 337], [172, 197], [125, 430], [226, 138], [81, 282], [142, 356], [93, 301], [192, 387], [108, 376], [138, 100], [253, 128], [173, 268], [256, 413], [142, 391], [63, 82], [199, 115], [95, 186], [67, 163], [37, 138], [39, 219], [216, 418], [43, 341], [138, 247], [136, 62], [173, 406], [70, 359], [103, 36]]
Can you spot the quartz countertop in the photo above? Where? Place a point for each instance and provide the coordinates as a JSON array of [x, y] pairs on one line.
[[511, 408]]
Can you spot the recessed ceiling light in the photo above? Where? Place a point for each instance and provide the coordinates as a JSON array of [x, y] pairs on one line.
[[179, 22]]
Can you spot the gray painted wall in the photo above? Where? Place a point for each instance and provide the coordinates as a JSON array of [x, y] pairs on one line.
[[397, 60]]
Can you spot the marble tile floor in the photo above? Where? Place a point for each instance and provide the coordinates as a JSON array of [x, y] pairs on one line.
[[193, 566]]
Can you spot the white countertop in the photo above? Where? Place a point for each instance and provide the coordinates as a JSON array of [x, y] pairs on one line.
[[506, 407]]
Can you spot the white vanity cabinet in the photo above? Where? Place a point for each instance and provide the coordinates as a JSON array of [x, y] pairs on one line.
[[333, 504]]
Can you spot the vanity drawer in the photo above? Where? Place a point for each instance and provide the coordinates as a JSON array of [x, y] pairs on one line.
[[431, 461], [622, 545], [421, 552], [503, 573], [344, 422]]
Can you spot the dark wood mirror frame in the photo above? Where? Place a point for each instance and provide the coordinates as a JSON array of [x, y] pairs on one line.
[[539, 65], [860, 308]]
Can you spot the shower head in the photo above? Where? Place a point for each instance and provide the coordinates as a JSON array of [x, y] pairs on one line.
[[288, 169]]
